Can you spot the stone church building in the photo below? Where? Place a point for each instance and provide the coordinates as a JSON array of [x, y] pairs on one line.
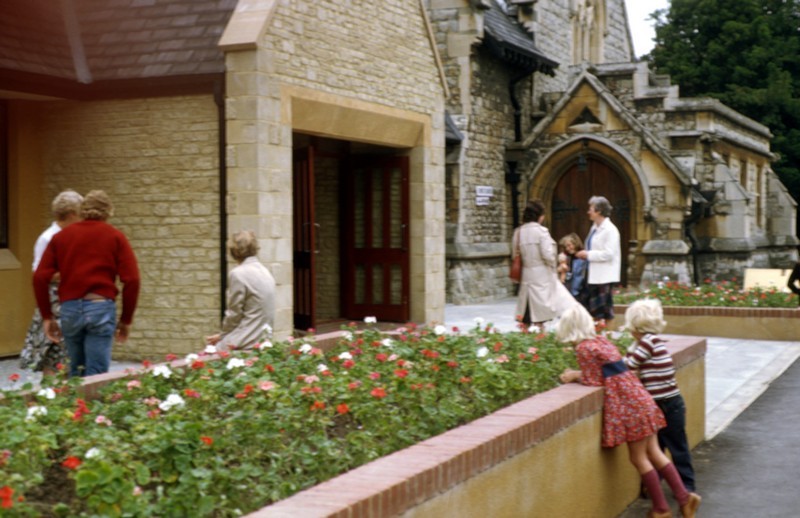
[[549, 103], [382, 151]]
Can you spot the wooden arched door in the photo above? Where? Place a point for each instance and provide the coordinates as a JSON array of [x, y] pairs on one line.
[[570, 197]]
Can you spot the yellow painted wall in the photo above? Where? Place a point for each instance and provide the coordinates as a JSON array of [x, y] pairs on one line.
[[28, 216]]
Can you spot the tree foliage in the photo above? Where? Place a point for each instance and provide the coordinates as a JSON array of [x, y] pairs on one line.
[[746, 53]]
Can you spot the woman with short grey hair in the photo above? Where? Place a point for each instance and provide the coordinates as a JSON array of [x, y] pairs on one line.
[[604, 254]]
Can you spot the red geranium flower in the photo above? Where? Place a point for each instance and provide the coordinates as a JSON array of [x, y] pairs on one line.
[[269, 368], [171, 357], [146, 363], [378, 392], [71, 462], [197, 365], [206, 439], [353, 385], [81, 411], [6, 497], [347, 364], [342, 408], [191, 393], [318, 405], [380, 357], [401, 373], [14, 377]]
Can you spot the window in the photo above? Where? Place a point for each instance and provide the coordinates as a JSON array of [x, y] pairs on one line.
[[3, 174]]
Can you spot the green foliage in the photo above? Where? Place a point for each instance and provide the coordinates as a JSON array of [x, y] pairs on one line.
[[724, 294], [230, 433], [746, 53]]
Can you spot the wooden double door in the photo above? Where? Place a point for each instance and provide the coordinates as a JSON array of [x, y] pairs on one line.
[[374, 262], [570, 197]]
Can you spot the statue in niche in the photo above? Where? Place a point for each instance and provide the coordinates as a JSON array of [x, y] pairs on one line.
[[589, 28]]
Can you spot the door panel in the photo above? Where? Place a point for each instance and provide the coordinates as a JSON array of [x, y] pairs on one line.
[[375, 256], [570, 199], [304, 239]]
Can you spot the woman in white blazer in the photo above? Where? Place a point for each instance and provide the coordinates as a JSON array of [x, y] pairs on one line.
[[542, 296], [250, 306], [605, 259]]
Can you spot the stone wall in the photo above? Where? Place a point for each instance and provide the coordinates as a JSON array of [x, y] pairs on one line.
[[157, 160]]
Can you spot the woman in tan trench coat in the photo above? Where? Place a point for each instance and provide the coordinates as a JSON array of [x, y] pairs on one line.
[[541, 296]]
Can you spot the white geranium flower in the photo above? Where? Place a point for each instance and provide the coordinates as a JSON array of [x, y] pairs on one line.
[[93, 452], [345, 356], [666, 278], [322, 367], [171, 401], [440, 329], [479, 321], [483, 351], [210, 349], [660, 285], [387, 342], [47, 393], [305, 348], [348, 336], [266, 344], [163, 371], [534, 329], [191, 357], [234, 363], [267, 329], [35, 411], [370, 320]]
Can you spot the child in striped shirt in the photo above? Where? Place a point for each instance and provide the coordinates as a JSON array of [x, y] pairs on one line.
[[644, 319]]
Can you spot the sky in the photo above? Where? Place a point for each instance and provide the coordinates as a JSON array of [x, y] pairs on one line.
[[642, 30]]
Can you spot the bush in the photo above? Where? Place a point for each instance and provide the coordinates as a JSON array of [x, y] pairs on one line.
[[230, 433]]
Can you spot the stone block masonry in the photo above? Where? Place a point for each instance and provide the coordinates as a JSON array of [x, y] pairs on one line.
[[157, 160]]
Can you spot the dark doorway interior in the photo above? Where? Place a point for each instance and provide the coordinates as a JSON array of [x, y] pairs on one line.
[[351, 233]]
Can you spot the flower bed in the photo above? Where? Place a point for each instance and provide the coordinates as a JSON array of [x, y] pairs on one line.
[[722, 309], [712, 294], [226, 434]]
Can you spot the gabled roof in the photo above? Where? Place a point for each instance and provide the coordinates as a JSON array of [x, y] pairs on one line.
[[512, 43], [647, 136], [86, 41]]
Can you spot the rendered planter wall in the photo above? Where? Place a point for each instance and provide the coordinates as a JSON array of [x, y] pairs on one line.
[[748, 323], [538, 457]]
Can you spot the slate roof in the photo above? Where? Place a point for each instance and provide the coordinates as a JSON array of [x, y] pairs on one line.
[[512, 43], [101, 40]]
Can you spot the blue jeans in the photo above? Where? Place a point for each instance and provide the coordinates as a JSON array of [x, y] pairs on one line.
[[673, 438], [88, 327]]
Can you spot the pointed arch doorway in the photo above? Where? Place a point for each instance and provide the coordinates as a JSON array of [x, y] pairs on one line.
[[572, 192]]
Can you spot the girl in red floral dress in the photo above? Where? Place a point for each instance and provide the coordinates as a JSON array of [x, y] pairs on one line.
[[630, 415]]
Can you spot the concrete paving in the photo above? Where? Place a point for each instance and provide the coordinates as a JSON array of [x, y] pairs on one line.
[[746, 466]]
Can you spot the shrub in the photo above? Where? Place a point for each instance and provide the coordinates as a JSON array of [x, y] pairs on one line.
[[229, 433]]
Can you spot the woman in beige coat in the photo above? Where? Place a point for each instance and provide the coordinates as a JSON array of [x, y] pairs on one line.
[[250, 309], [541, 296]]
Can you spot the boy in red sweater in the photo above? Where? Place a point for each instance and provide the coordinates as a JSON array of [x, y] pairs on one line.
[[89, 255]]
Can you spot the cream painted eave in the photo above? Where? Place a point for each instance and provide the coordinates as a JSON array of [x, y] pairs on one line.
[[247, 25], [621, 111]]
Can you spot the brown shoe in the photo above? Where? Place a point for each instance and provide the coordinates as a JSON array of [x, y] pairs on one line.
[[689, 509], [665, 514]]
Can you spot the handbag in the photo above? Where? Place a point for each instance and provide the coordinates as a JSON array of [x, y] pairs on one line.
[[515, 272]]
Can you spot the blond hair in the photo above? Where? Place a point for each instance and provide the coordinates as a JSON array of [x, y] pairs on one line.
[[645, 316], [573, 238], [66, 203], [243, 244], [575, 325], [97, 205]]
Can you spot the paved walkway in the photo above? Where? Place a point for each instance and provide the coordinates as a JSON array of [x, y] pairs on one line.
[[749, 462]]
